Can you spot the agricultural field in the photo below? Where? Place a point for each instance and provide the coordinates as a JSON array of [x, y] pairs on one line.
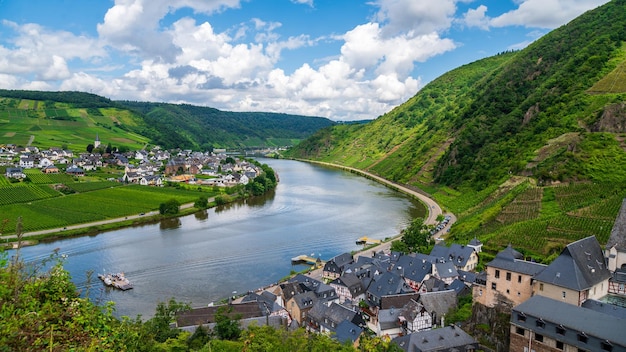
[[41, 205]]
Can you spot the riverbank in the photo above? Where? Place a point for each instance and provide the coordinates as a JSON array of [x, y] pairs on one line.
[[93, 228], [433, 208]]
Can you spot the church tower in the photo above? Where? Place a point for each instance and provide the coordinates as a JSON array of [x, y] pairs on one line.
[[96, 143]]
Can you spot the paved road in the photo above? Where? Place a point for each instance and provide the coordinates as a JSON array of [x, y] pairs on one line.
[[95, 223]]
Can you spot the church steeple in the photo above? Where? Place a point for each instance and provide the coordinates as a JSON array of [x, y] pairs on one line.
[[96, 143]]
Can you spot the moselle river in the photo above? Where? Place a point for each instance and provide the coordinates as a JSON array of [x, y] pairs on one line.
[[205, 257]]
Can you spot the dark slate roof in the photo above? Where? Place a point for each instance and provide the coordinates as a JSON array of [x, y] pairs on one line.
[[397, 301], [449, 338], [351, 282], [347, 332], [446, 269], [606, 308], [467, 276], [459, 287], [456, 253], [412, 268], [580, 266], [388, 283], [433, 284], [618, 233], [343, 259], [291, 289], [512, 260], [412, 309], [571, 317], [388, 318], [439, 301], [338, 313], [204, 315], [305, 300]]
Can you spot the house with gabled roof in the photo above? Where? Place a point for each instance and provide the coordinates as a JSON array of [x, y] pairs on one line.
[[326, 317], [299, 305], [448, 339], [386, 284], [333, 268], [546, 324], [413, 270], [577, 274], [348, 332], [15, 172], [438, 304], [463, 257], [508, 279], [348, 287]]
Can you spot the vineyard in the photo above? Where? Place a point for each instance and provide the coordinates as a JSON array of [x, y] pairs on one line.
[[25, 193], [542, 220]]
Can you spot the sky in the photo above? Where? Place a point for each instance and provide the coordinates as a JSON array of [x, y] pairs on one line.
[[340, 59]]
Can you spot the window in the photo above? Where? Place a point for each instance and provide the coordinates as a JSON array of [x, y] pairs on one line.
[[519, 279], [508, 276], [519, 331], [540, 287], [497, 274], [521, 317], [539, 337], [493, 285], [582, 337], [540, 323], [560, 345], [564, 294], [560, 330], [606, 346]]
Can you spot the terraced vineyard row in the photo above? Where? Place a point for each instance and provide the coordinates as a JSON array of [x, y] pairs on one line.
[[25, 193]]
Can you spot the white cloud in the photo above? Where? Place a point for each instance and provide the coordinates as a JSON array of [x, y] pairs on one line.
[[415, 16], [43, 54], [304, 2], [476, 18], [133, 25], [545, 13]]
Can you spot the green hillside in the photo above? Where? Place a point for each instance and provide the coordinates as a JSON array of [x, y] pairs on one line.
[[198, 127], [73, 119], [69, 119], [525, 147]]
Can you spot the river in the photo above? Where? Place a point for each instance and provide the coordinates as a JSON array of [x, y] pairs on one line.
[[205, 257]]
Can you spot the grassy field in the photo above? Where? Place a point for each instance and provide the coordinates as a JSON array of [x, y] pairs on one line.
[[42, 207], [60, 125]]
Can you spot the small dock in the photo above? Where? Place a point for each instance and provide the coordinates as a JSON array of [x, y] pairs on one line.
[[305, 259], [367, 241]]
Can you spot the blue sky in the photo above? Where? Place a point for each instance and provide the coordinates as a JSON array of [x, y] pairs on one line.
[[341, 59]]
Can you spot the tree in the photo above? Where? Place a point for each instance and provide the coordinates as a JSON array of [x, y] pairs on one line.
[[415, 238], [158, 327], [171, 207], [201, 203], [90, 147], [225, 327]]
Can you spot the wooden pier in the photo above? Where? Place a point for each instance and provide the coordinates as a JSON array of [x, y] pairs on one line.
[[366, 241], [305, 259]]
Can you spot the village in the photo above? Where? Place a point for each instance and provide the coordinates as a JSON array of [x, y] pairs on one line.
[[575, 303], [150, 168]]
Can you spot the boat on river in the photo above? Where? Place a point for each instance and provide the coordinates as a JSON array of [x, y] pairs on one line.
[[117, 280]]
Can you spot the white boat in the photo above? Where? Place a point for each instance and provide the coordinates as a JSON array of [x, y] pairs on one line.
[[117, 280]]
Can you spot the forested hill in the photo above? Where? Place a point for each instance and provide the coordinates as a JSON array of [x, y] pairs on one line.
[[194, 125], [483, 135], [73, 119]]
